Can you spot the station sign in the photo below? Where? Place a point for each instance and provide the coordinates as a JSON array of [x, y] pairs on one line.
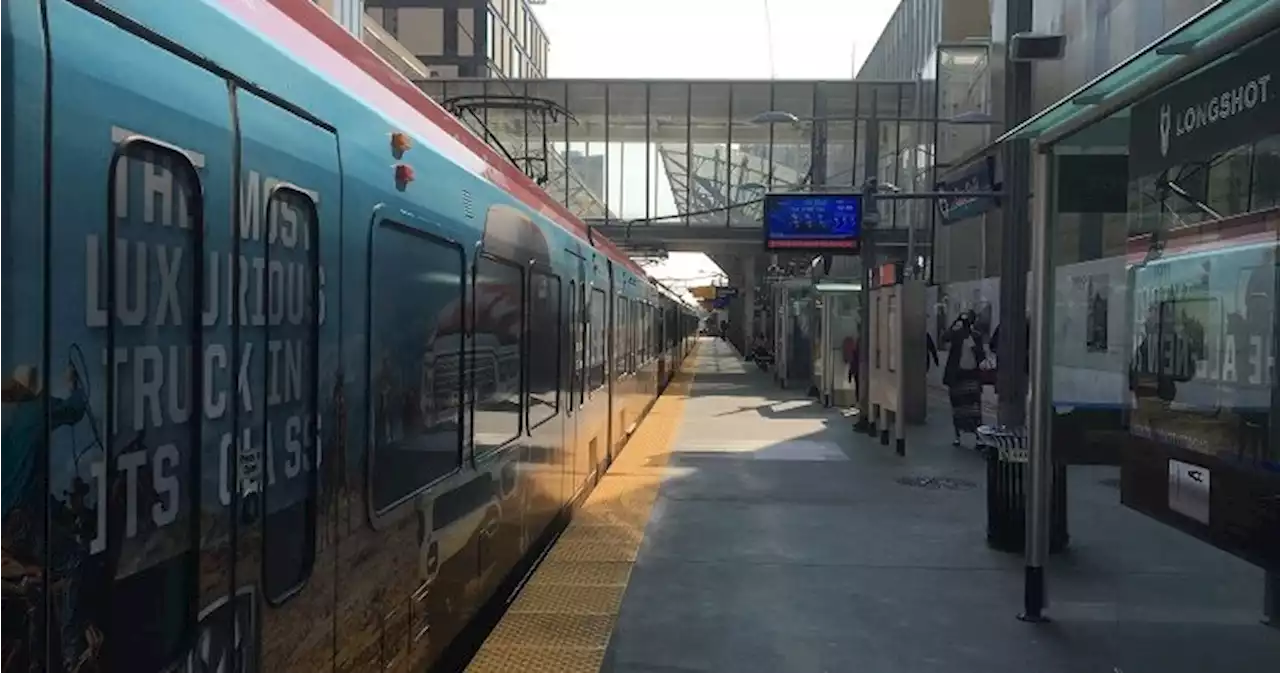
[[980, 177], [886, 275], [1232, 103], [800, 222]]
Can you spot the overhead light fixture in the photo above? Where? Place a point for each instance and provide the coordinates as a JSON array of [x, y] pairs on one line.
[[1037, 47]]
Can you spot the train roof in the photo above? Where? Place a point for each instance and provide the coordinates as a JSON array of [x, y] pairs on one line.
[[346, 60]]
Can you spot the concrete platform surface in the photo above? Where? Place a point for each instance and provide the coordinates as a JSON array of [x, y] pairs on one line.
[[780, 541]]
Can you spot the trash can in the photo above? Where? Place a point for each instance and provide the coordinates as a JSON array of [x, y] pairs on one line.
[[1006, 453]]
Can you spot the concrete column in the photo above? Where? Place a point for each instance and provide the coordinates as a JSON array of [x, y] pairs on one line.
[[733, 268], [871, 219], [1015, 250]]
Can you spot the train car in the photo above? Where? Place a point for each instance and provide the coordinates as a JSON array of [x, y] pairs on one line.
[[298, 372]]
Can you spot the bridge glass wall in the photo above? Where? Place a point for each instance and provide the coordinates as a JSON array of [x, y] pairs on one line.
[[967, 245], [702, 153]]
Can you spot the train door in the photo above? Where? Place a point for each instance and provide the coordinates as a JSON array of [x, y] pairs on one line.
[[286, 235], [135, 510]]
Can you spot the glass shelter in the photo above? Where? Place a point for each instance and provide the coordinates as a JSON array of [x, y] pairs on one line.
[[1158, 330]]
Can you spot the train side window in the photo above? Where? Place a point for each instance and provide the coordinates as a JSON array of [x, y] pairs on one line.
[[655, 325], [596, 368], [497, 352], [627, 338], [145, 558], [574, 347], [619, 332], [545, 330], [630, 336], [642, 336], [582, 328], [635, 334], [416, 326], [291, 394]]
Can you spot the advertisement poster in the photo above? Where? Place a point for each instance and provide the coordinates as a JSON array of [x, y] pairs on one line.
[[1203, 319]]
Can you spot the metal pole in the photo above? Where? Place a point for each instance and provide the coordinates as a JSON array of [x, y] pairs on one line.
[[900, 369], [1011, 376], [1040, 465], [648, 149], [828, 367], [605, 172], [871, 216], [688, 154]]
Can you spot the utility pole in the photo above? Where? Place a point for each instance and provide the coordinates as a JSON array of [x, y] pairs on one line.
[[1015, 251], [870, 223]]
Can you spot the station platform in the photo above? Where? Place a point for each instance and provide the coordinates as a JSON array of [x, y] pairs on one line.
[[747, 529]]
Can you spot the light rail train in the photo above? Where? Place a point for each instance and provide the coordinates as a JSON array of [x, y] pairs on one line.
[[298, 373]]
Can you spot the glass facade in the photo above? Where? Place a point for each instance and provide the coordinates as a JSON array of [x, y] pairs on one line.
[[348, 13], [468, 38], [703, 153]]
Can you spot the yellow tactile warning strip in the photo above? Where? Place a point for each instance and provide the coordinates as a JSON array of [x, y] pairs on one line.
[[563, 617]]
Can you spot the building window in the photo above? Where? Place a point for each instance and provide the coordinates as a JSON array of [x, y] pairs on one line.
[[421, 30], [466, 32], [490, 36]]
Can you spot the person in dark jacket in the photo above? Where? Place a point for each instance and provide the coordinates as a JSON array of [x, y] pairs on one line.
[[961, 376]]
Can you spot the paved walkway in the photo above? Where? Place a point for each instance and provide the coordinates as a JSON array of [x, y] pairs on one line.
[[781, 541]]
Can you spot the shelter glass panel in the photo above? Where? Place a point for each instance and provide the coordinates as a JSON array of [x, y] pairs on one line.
[[626, 166], [749, 174], [791, 153], [1163, 244], [841, 148], [706, 167], [669, 131], [584, 154]]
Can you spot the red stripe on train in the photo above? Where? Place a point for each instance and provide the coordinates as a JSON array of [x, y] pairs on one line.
[[1247, 229]]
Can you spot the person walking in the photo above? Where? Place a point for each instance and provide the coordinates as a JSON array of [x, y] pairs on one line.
[[849, 349], [961, 376]]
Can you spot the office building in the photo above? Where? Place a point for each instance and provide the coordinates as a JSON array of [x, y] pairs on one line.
[[467, 38], [348, 13], [589, 168]]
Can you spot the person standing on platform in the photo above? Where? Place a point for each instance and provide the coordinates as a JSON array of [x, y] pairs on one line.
[[849, 348], [961, 376]]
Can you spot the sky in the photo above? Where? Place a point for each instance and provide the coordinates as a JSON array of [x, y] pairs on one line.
[[709, 39]]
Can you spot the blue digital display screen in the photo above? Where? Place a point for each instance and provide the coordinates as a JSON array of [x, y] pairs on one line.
[[813, 221]]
